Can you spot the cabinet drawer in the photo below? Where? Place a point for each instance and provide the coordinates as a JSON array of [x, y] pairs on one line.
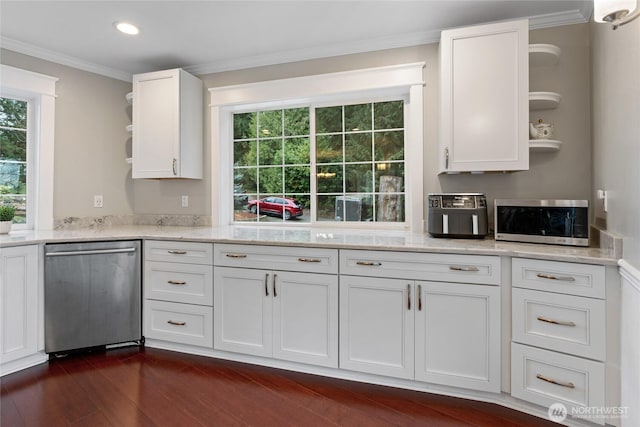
[[177, 282], [564, 323], [188, 252], [562, 277], [309, 260], [180, 323], [544, 377], [422, 266]]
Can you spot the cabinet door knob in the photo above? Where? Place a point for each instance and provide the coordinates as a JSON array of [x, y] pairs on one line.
[[175, 167]]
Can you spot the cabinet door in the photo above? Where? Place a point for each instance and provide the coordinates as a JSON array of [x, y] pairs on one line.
[[484, 98], [305, 318], [156, 125], [376, 326], [19, 306], [242, 309], [458, 335]]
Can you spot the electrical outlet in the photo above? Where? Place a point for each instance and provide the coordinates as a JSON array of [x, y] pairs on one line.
[[98, 202], [185, 201]]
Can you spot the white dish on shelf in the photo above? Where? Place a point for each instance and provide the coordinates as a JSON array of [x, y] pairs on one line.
[[129, 97], [543, 54], [544, 100], [544, 145]]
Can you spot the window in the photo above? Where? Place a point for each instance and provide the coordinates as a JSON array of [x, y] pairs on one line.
[[331, 149], [27, 110], [13, 156], [358, 162]]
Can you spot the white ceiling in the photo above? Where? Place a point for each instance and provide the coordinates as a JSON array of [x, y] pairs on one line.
[[211, 36]]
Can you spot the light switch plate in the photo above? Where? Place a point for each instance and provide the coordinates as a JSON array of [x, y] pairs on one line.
[[185, 201]]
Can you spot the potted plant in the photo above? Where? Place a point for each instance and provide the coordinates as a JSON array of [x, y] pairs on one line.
[[6, 218]]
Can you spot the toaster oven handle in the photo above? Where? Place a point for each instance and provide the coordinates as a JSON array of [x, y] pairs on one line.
[[463, 268]]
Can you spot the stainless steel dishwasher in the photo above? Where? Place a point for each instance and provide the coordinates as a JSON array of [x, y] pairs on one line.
[[93, 294]]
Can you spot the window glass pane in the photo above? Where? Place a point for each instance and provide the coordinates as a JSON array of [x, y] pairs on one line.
[[244, 126], [270, 123], [329, 148], [244, 153], [357, 117], [358, 178], [270, 151], [329, 179], [357, 147], [13, 157], [326, 208], [329, 119], [389, 115], [390, 170], [245, 180], [390, 208], [389, 145], [296, 121], [269, 180], [298, 179], [296, 151]]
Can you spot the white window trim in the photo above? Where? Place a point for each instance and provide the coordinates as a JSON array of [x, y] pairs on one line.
[[405, 80], [39, 89]]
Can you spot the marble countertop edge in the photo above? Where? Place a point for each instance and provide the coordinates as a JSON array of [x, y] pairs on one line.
[[355, 239]]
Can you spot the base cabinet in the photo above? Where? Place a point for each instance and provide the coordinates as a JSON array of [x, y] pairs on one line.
[[458, 335], [441, 333], [19, 307], [285, 315]]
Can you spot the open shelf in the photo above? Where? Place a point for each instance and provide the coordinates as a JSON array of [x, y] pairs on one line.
[[543, 54], [543, 100], [544, 145]]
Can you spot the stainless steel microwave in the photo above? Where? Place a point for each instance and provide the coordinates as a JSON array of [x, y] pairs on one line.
[[560, 222]]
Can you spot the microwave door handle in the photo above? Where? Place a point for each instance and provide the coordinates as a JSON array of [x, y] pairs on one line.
[[445, 224], [474, 223]]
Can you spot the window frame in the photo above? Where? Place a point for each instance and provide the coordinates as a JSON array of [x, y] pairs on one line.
[[39, 92], [403, 81]]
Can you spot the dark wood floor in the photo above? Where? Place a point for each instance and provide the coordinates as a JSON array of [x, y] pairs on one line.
[[148, 387]]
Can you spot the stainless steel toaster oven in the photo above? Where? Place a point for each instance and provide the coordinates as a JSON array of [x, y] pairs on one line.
[[457, 215]]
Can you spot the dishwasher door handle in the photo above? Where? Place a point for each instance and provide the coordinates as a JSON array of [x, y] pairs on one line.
[[92, 252]]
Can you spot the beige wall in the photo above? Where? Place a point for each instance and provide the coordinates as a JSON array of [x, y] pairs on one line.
[[90, 151], [616, 130], [91, 142]]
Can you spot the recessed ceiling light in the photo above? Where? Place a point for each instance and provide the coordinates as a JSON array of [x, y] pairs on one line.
[[126, 28]]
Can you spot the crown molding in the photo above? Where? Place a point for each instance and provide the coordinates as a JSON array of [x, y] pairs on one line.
[[576, 16], [62, 59]]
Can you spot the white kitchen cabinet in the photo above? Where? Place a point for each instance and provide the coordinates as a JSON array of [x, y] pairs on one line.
[[484, 109], [20, 308], [167, 125], [287, 315], [377, 326], [443, 331], [178, 292], [458, 335], [559, 338]]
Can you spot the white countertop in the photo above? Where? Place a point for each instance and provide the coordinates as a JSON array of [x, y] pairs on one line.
[[313, 237]]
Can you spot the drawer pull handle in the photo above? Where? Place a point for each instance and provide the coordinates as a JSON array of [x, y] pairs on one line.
[[408, 297], [556, 382], [369, 263], [173, 322], [176, 282], [463, 268], [552, 277], [309, 260], [176, 252], [556, 322], [236, 255]]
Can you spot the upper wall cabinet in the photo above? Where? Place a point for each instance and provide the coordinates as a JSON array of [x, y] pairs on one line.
[[167, 125], [484, 108]]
